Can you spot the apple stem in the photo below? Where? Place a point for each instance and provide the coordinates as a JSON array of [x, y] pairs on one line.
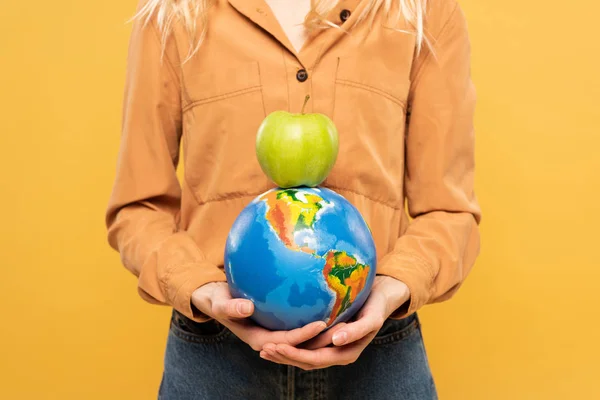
[[305, 101]]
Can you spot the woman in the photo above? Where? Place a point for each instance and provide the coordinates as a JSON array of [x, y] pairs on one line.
[[394, 76]]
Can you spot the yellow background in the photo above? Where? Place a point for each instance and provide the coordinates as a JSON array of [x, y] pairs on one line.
[[524, 326]]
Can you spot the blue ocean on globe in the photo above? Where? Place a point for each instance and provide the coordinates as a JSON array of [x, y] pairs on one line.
[[301, 255]]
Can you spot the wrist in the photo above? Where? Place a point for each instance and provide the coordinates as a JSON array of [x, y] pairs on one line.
[[201, 297], [396, 292]]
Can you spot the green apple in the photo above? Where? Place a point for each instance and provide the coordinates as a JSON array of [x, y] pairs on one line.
[[297, 149]]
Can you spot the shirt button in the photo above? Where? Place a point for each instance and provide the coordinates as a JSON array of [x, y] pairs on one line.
[[301, 75], [344, 15]]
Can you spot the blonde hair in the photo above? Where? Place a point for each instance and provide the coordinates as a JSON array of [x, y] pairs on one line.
[[190, 12]]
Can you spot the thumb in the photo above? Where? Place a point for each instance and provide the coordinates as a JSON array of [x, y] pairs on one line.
[[235, 308]]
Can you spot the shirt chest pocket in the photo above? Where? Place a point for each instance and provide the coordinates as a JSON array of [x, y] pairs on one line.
[[223, 108], [370, 114]]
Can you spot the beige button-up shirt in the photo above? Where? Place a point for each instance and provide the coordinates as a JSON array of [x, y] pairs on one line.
[[405, 125]]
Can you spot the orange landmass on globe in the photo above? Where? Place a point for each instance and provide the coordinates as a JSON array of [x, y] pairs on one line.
[[346, 277], [288, 213]]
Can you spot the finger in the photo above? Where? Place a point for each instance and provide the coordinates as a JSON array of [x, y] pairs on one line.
[[272, 355], [256, 336], [250, 333], [324, 339], [354, 331], [259, 337], [280, 361], [320, 358], [326, 356], [299, 335], [265, 356], [233, 308], [246, 331]]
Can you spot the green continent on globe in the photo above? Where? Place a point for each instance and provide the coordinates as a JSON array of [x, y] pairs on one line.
[[346, 277], [288, 213]]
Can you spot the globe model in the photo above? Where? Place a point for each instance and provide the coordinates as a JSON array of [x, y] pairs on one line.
[[301, 255]]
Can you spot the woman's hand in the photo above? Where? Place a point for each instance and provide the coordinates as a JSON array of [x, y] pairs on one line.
[[349, 339], [214, 300]]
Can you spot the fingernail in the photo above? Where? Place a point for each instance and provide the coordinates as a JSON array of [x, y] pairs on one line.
[[244, 308], [263, 354], [322, 325], [340, 338]]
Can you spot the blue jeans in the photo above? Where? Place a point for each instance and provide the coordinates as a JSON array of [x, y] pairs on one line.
[[207, 361]]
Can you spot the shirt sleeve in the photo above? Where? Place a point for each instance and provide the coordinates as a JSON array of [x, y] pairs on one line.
[[142, 214], [440, 245]]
